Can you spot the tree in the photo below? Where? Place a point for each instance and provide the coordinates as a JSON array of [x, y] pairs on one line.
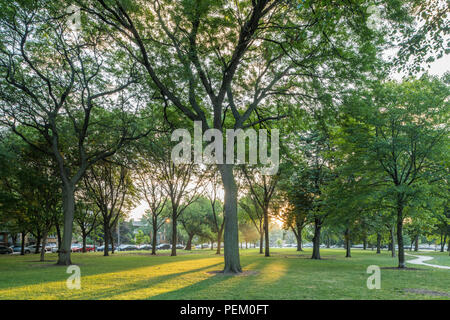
[[426, 40], [86, 217], [58, 88], [33, 190], [155, 196], [110, 186], [218, 219], [397, 129], [194, 218], [262, 188], [293, 49], [255, 214], [180, 183]]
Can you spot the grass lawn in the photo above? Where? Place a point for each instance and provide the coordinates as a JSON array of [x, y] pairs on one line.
[[286, 275]]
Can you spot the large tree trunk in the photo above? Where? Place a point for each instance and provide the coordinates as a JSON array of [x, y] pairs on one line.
[[219, 239], [316, 239], [261, 242], [189, 243], [231, 235], [401, 249], [44, 243], [393, 241], [299, 239], [378, 243], [38, 243], [266, 233], [174, 232], [348, 253], [155, 231], [112, 240], [68, 209], [58, 234], [416, 243], [365, 243], [22, 249], [107, 237], [443, 243], [84, 236], [448, 246]]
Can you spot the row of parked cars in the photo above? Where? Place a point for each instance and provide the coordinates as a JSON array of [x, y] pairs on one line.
[[26, 249], [132, 247], [76, 247]]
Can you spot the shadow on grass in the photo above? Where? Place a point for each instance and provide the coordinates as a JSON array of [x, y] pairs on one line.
[[213, 283], [144, 284], [20, 272]]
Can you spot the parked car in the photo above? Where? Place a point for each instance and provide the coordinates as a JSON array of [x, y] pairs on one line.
[[76, 247], [55, 249], [101, 248], [33, 249], [164, 246], [79, 248], [180, 246], [127, 247], [90, 248], [50, 246], [145, 247], [5, 250], [18, 249]]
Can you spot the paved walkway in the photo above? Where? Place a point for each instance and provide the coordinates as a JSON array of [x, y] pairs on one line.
[[420, 260]]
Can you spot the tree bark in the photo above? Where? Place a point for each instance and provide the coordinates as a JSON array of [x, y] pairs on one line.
[[416, 243], [316, 239], [58, 234], [22, 249], [443, 243], [189, 243], [365, 243], [84, 236], [112, 240], [38, 243], [261, 242], [106, 238], [401, 249], [299, 239], [219, 239], [174, 232], [266, 233], [231, 235], [393, 241], [378, 243], [448, 246], [155, 231], [44, 243], [347, 244], [68, 209]]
